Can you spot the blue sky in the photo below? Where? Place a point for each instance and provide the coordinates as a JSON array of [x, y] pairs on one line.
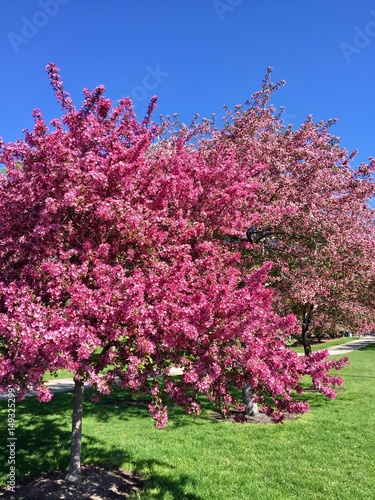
[[196, 55]]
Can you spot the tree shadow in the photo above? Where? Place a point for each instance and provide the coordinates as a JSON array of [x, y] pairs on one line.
[[95, 454], [122, 402], [42, 432], [369, 347], [43, 445], [129, 406], [315, 398]]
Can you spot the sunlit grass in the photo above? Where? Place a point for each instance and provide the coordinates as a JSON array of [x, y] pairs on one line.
[[327, 344], [58, 375], [327, 454]]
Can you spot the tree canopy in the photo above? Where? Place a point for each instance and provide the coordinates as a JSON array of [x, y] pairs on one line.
[[313, 217], [127, 249]]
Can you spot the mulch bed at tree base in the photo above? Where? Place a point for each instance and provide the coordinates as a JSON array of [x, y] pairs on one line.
[[239, 416], [96, 484]]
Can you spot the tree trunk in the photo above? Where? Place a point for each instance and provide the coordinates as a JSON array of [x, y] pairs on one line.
[[76, 440], [306, 320], [251, 408]]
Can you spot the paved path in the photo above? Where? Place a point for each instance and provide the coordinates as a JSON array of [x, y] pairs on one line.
[[67, 384], [351, 346]]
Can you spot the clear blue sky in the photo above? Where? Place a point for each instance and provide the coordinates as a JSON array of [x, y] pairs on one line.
[[196, 55]]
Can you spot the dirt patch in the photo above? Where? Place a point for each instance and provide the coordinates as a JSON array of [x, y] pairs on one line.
[[96, 484], [240, 417], [128, 402]]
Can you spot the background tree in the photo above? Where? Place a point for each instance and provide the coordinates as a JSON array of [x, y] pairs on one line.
[[112, 267], [311, 217]]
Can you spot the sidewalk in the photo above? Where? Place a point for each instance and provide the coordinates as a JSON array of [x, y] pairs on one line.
[[341, 350], [67, 384]]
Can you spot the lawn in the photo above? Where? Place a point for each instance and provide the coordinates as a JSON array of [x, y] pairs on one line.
[[59, 374], [326, 344], [327, 454]]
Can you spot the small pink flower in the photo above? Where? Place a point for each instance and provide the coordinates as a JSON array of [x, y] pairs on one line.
[[44, 395]]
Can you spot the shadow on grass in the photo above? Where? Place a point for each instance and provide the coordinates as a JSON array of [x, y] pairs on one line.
[[94, 454], [120, 402], [43, 437], [369, 347], [127, 406], [42, 432], [43, 444]]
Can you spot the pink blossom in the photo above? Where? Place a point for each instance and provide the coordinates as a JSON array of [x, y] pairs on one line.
[[126, 251], [44, 394]]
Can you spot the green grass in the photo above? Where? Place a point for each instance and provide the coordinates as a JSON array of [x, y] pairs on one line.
[[327, 344], [327, 454], [59, 374]]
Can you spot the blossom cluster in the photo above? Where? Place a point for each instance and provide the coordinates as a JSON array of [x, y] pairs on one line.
[[123, 253]]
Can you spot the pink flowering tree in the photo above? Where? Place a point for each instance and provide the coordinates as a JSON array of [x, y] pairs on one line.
[[312, 217], [114, 267]]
